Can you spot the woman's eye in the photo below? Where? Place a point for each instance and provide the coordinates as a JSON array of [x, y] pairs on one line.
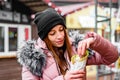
[[61, 29], [52, 33]]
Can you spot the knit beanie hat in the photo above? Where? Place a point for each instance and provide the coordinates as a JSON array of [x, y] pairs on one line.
[[46, 20]]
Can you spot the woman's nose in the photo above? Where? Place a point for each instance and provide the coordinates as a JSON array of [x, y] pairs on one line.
[[59, 35]]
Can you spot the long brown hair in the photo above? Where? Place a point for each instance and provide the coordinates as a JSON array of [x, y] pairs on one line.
[[60, 58]]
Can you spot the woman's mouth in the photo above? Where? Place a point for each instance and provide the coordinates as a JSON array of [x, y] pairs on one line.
[[60, 42]]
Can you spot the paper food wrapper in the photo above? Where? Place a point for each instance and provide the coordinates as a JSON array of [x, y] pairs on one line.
[[78, 63]]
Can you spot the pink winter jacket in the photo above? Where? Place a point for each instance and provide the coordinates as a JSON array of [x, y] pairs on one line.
[[105, 53]]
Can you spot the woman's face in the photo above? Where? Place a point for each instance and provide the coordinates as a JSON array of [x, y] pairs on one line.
[[57, 36]]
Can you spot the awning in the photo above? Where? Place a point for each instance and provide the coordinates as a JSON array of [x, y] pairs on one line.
[[72, 8], [64, 10]]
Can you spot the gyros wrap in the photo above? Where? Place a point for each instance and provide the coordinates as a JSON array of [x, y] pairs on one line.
[[78, 62]]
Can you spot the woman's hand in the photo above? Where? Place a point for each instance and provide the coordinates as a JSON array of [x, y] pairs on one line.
[[85, 43], [75, 75]]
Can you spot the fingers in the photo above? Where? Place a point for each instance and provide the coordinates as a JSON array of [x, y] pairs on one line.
[[78, 74], [80, 49], [90, 34], [82, 46]]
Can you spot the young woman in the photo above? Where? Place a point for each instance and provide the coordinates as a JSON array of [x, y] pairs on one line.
[[49, 57]]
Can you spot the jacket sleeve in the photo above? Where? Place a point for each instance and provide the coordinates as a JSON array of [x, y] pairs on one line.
[[27, 75], [59, 78], [105, 52]]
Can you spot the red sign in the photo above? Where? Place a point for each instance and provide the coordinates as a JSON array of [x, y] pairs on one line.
[[26, 34]]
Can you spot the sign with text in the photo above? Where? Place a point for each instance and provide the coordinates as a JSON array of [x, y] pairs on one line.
[[5, 15]]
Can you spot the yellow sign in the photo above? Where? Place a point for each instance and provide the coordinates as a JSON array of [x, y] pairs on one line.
[[84, 16], [118, 63]]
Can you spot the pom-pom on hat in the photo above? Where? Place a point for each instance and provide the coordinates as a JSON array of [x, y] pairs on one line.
[[46, 20]]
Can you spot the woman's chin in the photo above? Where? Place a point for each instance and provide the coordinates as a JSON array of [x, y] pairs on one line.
[[59, 45]]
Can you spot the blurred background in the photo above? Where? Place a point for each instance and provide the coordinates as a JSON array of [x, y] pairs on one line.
[[16, 26]]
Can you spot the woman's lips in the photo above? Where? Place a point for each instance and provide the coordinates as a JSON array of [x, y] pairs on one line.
[[59, 42]]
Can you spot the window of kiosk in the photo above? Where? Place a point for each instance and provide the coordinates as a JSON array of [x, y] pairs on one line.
[[13, 39], [2, 39]]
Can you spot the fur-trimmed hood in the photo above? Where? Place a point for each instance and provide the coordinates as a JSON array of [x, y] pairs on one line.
[[34, 59]]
